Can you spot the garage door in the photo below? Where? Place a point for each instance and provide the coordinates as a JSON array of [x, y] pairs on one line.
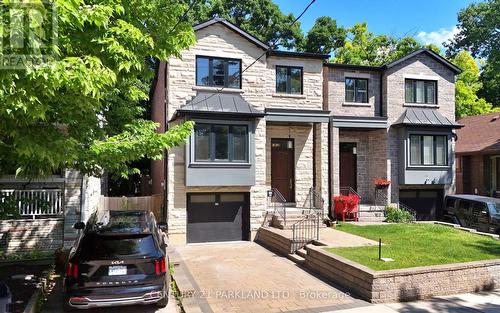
[[213, 217], [427, 203]]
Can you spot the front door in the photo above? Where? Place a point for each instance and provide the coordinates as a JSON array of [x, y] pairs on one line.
[[283, 167], [348, 165]]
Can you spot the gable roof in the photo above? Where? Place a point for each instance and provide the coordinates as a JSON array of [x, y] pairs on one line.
[[431, 53], [424, 117], [234, 28], [480, 134]]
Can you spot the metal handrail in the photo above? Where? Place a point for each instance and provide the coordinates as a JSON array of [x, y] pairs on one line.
[[348, 190], [305, 231], [279, 204], [316, 201]]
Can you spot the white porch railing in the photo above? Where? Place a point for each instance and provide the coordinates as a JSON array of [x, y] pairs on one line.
[[35, 202]]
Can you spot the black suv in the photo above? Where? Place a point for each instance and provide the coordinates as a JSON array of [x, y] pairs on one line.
[[471, 211], [118, 259]]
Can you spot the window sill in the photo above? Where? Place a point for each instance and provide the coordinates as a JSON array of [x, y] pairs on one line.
[[421, 105], [356, 104], [219, 165], [428, 167], [286, 95], [216, 89]]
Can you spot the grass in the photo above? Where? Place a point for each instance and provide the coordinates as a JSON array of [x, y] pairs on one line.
[[412, 245]]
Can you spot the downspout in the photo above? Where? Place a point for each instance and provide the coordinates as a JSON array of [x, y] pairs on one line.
[[326, 73], [165, 162]]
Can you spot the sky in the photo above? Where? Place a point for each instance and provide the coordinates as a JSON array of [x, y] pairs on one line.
[[430, 21]]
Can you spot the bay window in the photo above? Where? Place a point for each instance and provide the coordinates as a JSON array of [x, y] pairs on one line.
[[220, 143], [420, 91], [428, 150]]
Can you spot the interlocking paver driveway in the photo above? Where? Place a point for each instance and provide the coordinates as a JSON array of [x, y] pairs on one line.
[[246, 277]]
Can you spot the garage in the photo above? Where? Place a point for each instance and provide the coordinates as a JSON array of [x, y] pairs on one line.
[[214, 217], [428, 203]]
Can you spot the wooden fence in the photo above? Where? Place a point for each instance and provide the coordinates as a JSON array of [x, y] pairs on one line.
[[153, 203]]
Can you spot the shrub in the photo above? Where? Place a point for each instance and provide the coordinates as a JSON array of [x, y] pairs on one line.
[[397, 215]]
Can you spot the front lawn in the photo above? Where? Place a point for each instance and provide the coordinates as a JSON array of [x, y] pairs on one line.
[[413, 245]]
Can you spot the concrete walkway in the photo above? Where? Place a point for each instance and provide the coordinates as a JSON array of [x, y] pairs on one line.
[[246, 277], [483, 302], [337, 238]]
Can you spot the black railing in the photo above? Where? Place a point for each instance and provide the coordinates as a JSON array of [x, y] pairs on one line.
[[277, 204], [316, 202], [382, 199], [305, 230]]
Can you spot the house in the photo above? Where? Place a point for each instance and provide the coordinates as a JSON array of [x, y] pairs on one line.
[[290, 126], [49, 206], [478, 155]]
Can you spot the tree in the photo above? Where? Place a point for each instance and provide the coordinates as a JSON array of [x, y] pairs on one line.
[[364, 48], [261, 18], [83, 107], [479, 33], [325, 36], [466, 87]]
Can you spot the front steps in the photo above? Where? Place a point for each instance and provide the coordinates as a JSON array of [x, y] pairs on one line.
[[293, 215], [371, 213]]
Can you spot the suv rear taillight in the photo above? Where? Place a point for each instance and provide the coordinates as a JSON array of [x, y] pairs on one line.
[[160, 266], [72, 270]]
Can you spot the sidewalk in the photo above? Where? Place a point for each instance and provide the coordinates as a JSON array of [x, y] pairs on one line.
[[483, 302]]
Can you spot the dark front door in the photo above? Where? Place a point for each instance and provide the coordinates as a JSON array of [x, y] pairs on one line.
[[283, 167], [213, 217], [348, 165], [427, 203]]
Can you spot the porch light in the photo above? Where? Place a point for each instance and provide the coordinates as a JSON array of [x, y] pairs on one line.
[[289, 144]]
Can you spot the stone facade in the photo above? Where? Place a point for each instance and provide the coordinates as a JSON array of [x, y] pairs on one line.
[[379, 153], [404, 284], [258, 87]]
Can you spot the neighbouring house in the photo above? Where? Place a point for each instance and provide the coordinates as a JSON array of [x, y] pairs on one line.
[[478, 155], [289, 125], [49, 206]]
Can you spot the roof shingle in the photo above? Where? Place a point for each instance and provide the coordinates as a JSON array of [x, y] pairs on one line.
[[480, 134]]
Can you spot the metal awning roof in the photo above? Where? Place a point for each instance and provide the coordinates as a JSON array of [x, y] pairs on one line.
[[219, 104], [297, 116], [424, 117]]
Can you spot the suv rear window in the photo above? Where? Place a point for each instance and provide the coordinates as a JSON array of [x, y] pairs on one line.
[[94, 246]]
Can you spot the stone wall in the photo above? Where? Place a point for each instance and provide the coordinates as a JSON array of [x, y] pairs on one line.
[[336, 93], [28, 235], [393, 85], [259, 89], [404, 284]]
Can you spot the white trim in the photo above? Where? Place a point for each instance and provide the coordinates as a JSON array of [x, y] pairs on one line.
[[357, 104], [421, 105], [357, 75], [288, 95], [218, 89], [421, 76]]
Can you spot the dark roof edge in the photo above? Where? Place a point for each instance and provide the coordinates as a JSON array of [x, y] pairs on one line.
[[436, 56], [295, 54], [400, 124], [233, 27], [297, 111], [354, 66]]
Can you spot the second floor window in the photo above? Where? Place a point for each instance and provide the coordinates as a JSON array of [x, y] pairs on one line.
[[218, 72], [220, 143], [356, 90], [420, 91], [289, 79], [428, 150]]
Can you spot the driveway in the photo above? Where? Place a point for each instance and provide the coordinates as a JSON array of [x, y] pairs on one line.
[[246, 277]]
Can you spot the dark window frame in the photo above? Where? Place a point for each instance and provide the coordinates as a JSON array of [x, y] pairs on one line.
[[230, 144], [210, 71], [289, 79], [434, 149], [414, 91], [355, 79]]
